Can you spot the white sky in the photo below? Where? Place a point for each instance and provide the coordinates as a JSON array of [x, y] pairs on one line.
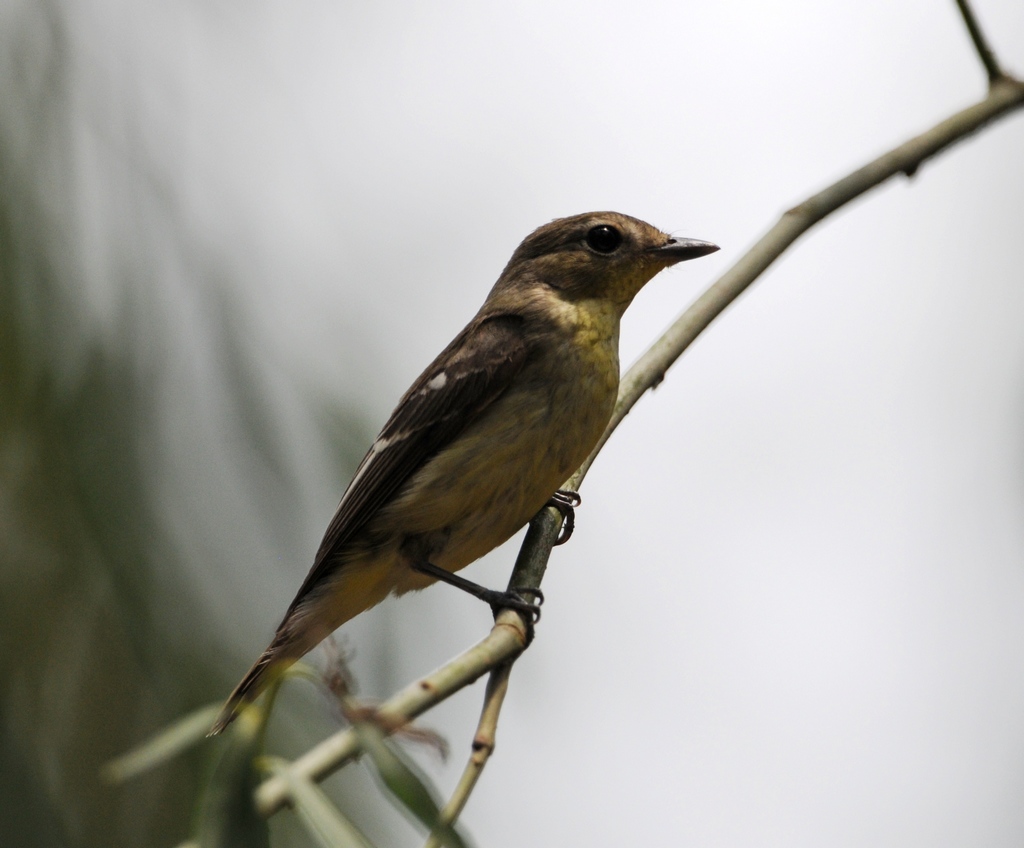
[[793, 610]]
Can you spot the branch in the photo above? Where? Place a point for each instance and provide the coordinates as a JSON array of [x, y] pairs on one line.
[[1004, 96], [988, 58], [483, 747], [508, 638], [505, 642]]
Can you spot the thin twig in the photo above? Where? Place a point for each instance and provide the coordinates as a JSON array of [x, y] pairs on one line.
[[649, 370], [531, 563], [988, 58], [504, 642], [508, 638], [483, 746]]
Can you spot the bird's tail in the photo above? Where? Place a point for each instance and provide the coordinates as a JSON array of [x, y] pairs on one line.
[[312, 617], [273, 660]]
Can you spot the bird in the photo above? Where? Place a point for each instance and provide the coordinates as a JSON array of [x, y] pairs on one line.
[[483, 438]]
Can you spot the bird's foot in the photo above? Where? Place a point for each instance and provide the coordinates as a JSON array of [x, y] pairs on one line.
[[512, 599], [515, 599], [565, 502]]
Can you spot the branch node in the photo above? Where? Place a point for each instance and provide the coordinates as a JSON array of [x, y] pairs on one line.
[[516, 626]]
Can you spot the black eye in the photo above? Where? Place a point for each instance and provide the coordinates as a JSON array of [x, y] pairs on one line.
[[604, 239]]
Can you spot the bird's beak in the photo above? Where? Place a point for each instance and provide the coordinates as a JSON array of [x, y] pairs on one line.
[[680, 249]]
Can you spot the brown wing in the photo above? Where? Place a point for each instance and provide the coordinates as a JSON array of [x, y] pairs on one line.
[[466, 378]]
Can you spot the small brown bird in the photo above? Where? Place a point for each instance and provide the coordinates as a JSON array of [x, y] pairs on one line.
[[484, 437]]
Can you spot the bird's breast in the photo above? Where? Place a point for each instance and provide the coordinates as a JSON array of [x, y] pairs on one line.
[[500, 471]]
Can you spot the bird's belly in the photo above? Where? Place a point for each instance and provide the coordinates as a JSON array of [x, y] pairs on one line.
[[474, 495]]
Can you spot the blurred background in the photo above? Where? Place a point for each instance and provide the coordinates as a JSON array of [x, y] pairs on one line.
[[232, 233]]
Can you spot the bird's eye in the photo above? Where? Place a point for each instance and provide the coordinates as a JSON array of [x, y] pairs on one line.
[[604, 239]]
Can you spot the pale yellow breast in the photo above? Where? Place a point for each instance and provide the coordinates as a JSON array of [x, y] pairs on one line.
[[503, 468]]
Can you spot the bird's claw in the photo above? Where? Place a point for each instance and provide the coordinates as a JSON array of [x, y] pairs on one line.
[[515, 599], [565, 502]]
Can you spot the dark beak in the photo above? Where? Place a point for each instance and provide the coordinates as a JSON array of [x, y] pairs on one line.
[[681, 249]]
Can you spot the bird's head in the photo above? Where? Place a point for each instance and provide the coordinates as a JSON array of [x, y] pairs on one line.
[[597, 255]]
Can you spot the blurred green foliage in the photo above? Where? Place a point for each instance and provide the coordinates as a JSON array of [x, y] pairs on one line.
[[83, 669], [154, 459]]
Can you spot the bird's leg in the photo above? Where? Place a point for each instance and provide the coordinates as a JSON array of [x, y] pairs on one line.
[[512, 599], [565, 502]]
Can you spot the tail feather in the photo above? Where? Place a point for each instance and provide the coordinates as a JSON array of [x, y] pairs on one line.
[[250, 686], [312, 617]]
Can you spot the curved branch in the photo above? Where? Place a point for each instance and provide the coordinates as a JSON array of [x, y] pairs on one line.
[[1005, 95], [509, 638]]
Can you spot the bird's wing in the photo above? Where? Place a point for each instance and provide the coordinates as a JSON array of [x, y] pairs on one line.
[[466, 378]]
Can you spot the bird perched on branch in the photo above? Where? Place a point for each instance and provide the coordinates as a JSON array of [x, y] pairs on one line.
[[482, 440]]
